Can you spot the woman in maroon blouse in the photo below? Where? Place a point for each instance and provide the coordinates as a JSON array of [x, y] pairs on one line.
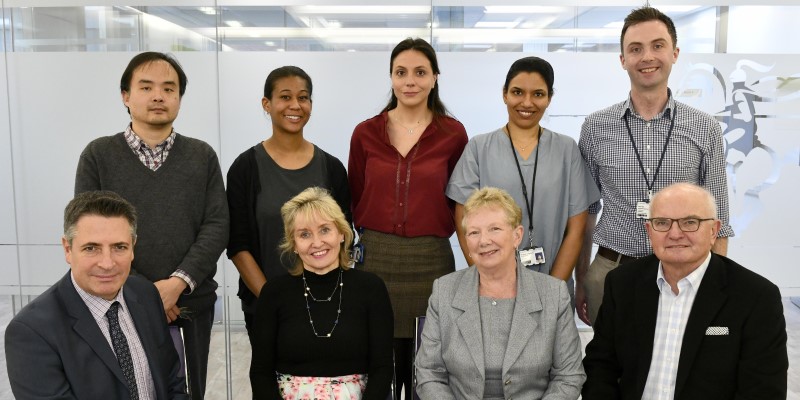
[[400, 163]]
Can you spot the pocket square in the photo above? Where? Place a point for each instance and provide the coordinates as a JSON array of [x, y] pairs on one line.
[[717, 331]]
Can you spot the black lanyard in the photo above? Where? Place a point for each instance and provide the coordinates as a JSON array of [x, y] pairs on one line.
[[663, 151], [528, 206]]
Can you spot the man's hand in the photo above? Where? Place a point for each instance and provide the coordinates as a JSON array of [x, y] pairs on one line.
[[170, 290], [581, 306]]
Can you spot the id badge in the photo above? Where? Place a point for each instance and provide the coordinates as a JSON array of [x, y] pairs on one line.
[[532, 256], [643, 210], [358, 253]]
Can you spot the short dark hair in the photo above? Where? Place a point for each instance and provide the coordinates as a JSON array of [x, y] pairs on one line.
[[148, 57], [286, 72], [532, 64], [103, 203], [644, 14], [434, 102]]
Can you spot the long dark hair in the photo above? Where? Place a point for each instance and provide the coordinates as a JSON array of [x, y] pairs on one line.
[[434, 103]]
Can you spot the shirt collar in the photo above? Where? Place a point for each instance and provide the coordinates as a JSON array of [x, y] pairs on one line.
[[667, 111], [135, 142], [694, 278], [98, 306]]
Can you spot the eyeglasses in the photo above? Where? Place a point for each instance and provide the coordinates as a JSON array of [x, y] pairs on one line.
[[685, 224]]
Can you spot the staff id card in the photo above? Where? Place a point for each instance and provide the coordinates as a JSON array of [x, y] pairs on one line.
[[642, 210], [532, 256], [643, 207]]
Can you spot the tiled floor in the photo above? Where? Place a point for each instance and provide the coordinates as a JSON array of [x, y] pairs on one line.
[[219, 375]]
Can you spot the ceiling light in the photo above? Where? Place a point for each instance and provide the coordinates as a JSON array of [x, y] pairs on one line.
[[521, 10], [208, 10], [361, 10], [677, 9], [496, 24], [233, 24]]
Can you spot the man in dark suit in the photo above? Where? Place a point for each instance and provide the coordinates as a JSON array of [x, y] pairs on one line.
[[97, 333], [685, 323]]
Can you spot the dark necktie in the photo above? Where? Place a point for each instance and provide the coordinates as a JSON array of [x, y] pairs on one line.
[[121, 349]]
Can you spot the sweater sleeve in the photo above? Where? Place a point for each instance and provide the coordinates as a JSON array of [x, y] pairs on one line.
[[341, 188], [381, 332], [87, 177], [200, 262], [262, 366], [239, 174]]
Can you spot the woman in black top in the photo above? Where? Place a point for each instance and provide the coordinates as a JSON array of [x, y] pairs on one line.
[[325, 330], [283, 165]]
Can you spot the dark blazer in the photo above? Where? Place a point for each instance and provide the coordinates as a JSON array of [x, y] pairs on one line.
[[55, 349], [748, 363]]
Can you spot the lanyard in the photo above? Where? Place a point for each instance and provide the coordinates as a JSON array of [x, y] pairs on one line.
[[663, 151], [528, 206]]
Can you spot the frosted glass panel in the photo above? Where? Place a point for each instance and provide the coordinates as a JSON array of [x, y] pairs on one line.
[[85, 105], [8, 226]]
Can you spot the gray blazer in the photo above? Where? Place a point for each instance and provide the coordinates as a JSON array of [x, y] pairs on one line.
[[543, 357]]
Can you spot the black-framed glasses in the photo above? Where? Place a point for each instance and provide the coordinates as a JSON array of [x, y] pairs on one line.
[[685, 224]]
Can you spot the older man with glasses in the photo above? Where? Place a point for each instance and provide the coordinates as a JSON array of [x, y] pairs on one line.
[[685, 323]]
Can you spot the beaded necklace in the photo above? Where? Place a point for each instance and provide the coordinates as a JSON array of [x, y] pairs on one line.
[[307, 293]]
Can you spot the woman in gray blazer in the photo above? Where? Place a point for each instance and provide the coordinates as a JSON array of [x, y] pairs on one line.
[[498, 330]]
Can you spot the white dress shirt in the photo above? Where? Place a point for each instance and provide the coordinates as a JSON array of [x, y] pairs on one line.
[[673, 313]]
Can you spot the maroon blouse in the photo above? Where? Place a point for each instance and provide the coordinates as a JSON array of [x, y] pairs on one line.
[[400, 195]]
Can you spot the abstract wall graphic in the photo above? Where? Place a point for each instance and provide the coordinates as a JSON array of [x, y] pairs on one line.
[[760, 118]]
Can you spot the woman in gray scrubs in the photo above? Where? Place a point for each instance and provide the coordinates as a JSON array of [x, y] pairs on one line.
[[542, 170]]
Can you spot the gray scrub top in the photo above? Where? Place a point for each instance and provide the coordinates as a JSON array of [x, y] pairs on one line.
[[564, 187]]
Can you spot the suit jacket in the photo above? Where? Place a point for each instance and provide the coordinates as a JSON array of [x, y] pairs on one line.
[[542, 359], [748, 363], [55, 349]]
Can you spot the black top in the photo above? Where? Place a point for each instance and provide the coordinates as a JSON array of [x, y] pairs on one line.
[[244, 193], [361, 343]]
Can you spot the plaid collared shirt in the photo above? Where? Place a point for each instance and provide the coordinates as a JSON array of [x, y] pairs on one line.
[[98, 308], [152, 158], [673, 313], [695, 153]]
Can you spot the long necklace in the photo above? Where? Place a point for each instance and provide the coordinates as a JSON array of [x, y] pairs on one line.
[[410, 131], [307, 293]]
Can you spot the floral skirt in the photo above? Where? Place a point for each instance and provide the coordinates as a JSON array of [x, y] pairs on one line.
[[348, 387]]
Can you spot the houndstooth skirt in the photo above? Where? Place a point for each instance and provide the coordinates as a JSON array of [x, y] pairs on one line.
[[408, 266]]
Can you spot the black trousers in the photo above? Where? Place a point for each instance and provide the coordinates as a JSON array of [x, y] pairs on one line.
[[403, 367], [196, 340]]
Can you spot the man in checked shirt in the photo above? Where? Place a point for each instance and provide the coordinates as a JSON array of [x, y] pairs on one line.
[[176, 185], [639, 146]]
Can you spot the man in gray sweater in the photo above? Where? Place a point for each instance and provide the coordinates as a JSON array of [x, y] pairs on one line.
[[176, 185]]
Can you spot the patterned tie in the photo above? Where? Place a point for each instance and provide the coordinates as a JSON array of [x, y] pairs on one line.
[[120, 344]]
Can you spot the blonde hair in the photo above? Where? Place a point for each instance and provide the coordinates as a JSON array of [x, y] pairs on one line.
[[311, 202], [493, 197]]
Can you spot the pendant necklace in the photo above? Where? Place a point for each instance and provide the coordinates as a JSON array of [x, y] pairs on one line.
[[522, 148], [307, 292], [410, 131]]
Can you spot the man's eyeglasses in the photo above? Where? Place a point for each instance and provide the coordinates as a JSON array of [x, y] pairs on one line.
[[685, 224]]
